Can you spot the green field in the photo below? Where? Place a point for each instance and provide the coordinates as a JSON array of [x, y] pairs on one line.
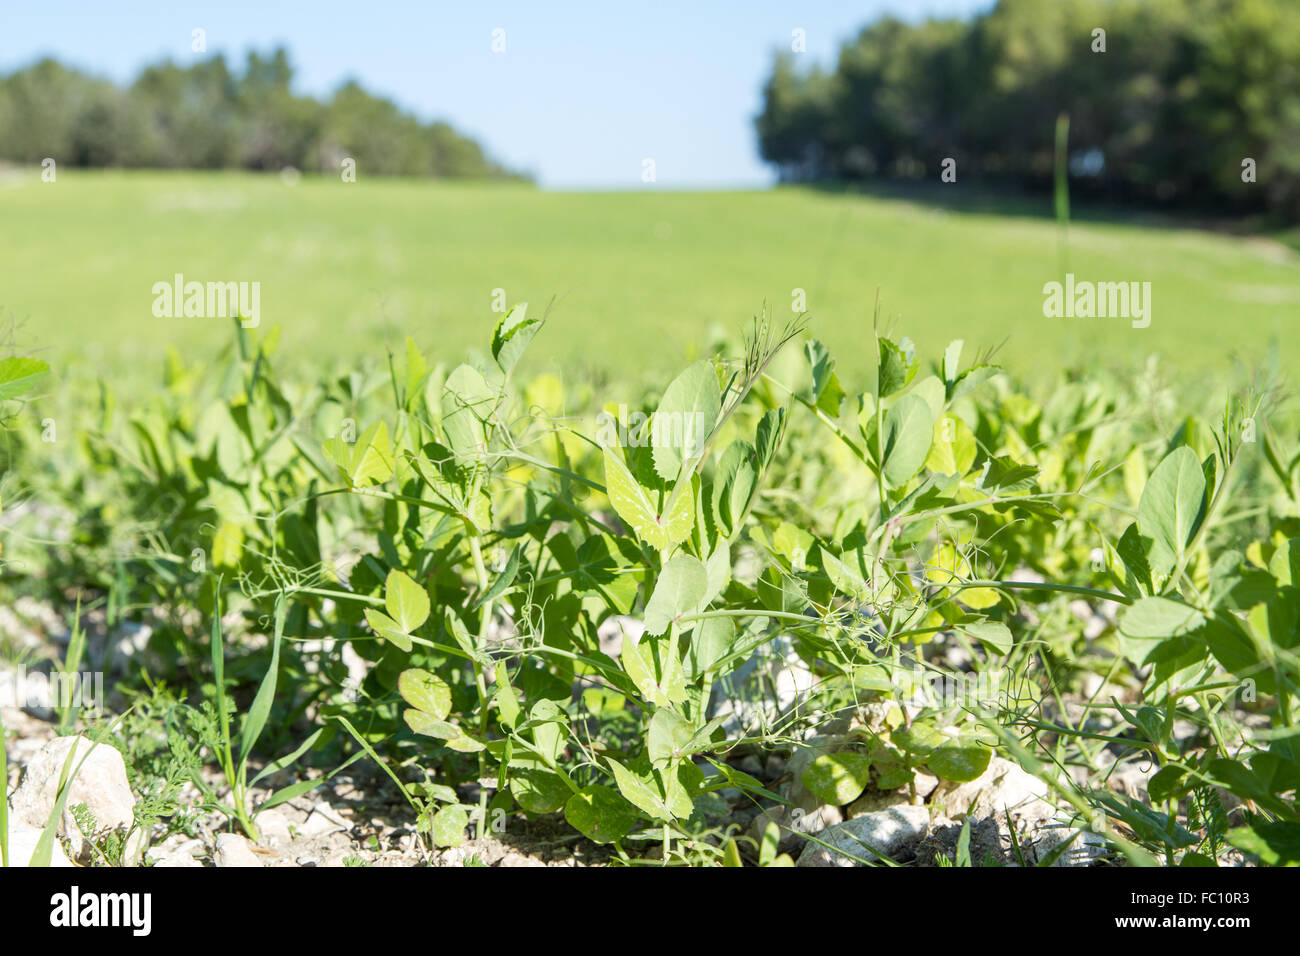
[[638, 279]]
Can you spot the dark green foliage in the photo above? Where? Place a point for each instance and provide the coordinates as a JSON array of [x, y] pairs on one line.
[[207, 116]]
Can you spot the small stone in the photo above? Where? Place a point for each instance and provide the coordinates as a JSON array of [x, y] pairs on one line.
[[100, 784], [886, 833], [1085, 849], [22, 844], [272, 828], [1003, 787], [178, 858], [1131, 779], [794, 822], [234, 851], [873, 801], [322, 822]]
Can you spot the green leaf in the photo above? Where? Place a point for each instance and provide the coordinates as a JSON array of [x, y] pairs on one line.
[[538, 789], [1276, 844], [373, 465], [1173, 503], [908, 431], [897, 366], [770, 429], [429, 726], [1284, 566], [685, 418], [502, 582], [367, 462], [641, 793], [952, 448], [468, 401], [1150, 621], [449, 825], [1006, 477], [994, 635], [710, 642], [733, 485], [600, 814], [667, 738], [632, 504], [512, 335], [960, 760], [952, 361], [466, 744], [425, 691], [19, 374], [387, 628], [550, 728], [827, 393], [971, 379], [507, 703], [407, 602], [660, 678], [919, 738], [682, 585], [838, 778]]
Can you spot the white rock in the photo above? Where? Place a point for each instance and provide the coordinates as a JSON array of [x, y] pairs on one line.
[[873, 801], [177, 852], [1084, 849], [886, 832], [273, 828], [233, 851], [323, 821], [794, 822], [611, 631], [22, 844], [1003, 786], [177, 860], [100, 784]]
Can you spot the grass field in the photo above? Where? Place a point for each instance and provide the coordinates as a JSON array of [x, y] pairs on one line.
[[638, 278]]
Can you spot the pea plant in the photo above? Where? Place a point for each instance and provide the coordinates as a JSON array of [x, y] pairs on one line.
[[566, 600]]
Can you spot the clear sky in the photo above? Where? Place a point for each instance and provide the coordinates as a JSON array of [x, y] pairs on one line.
[[582, 94]]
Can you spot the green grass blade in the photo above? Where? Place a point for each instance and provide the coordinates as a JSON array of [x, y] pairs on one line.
[[255, 722], [289, 759], [219, 679], [377, 759], [68, 711], [44, 851]]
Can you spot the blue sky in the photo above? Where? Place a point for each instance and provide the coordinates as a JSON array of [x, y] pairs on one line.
[[582, 94]]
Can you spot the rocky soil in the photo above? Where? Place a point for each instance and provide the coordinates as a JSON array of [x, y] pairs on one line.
[[359, 819]]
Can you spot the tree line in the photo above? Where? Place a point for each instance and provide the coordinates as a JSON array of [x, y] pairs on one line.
[[1193, 103], [208, 116]]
